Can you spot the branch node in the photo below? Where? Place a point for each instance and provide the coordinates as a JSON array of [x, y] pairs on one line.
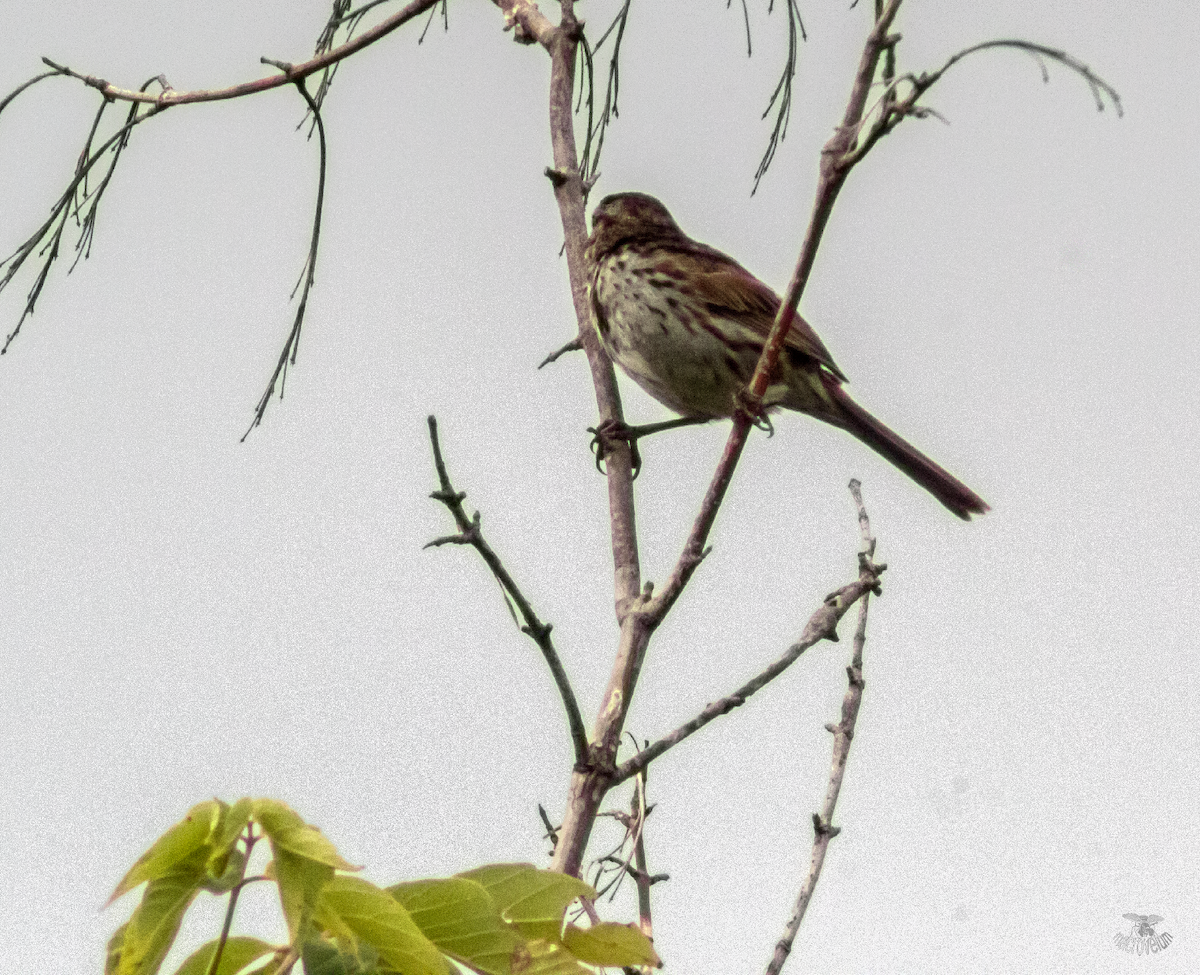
[[285, 66], [573, 346], [557, 176], [823, 828], [539, 632], [449, 497]]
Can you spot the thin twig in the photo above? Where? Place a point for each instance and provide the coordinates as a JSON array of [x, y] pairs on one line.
[[893, 109], [304, 284], [4, 103], [843, 735], [47, 238], [642, 874], [822, 625], [214, 965], [782, 96], [589, 165], [573, 346], [531, 626]]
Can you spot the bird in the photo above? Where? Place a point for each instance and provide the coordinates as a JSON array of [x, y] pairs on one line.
[[687, 323]]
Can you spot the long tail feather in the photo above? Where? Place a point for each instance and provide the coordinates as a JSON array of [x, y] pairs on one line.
[[948, 489]]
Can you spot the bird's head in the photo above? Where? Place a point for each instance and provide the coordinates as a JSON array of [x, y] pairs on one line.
[[623, 217]]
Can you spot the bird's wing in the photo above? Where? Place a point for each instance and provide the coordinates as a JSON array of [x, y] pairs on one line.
[[1134, 917], [729, 287]]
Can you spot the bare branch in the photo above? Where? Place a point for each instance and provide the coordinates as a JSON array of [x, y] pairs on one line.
[[822, 625], [534, 628], [843, 734], [295, 71], [588, 783]]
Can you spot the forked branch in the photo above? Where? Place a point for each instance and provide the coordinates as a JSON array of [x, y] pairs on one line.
[[822, 625], [894, 107]]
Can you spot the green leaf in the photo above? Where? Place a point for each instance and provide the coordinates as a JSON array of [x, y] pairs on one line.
[[304, 860], [112, 957], [549, 958], [155, 922], [461, 918], [226, 862], [287, 831], [178, 843], [611, 944], [361, 913], [323, 957], [533, 900], [234, 821], [238, 953], [300, 883], [233, 868]]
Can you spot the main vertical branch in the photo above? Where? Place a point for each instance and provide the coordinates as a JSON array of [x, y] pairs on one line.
[[589, 781]]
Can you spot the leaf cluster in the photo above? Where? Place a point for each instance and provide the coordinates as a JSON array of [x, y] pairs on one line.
[[501, 919]]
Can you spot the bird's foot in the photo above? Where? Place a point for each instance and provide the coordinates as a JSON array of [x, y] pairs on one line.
[[610, 431], [753, 407], [607, 435]]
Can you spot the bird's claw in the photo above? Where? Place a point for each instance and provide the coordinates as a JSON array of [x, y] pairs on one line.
[[753, 407], [606, 434]]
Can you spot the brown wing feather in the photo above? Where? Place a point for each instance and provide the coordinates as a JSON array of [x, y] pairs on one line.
[[729, 286]]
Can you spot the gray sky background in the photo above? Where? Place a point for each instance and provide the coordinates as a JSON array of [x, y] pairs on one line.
[[186, 616]]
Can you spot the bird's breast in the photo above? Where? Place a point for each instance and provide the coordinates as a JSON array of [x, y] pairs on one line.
[[684, 353]]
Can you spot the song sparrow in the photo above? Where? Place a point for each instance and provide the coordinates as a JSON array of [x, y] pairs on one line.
[[687, 323]]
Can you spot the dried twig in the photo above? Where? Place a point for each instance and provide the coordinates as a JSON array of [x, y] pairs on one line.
[[892, 109], [843, 734], [469, 534], [822, 625], [589, 165]]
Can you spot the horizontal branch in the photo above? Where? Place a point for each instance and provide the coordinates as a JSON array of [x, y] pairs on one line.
[[289, 76]]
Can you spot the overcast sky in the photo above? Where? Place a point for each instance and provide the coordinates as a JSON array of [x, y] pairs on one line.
[[184, 615]]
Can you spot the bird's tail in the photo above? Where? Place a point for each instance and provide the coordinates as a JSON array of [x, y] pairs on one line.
[[948, 489]]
